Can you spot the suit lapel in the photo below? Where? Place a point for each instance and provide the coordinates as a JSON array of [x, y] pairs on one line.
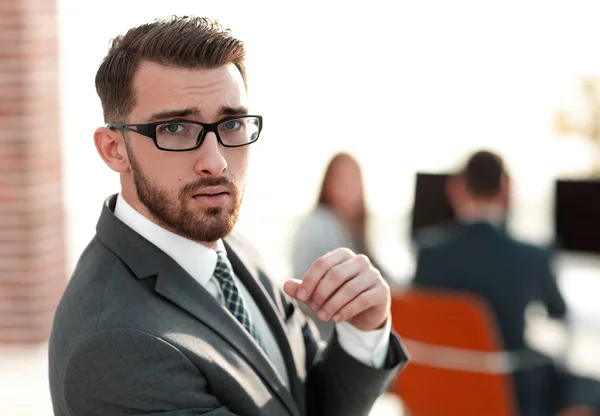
[[175, 284], [180, 288], [265, 294]]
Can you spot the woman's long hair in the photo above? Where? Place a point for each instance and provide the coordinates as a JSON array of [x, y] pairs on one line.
[[358, 221]]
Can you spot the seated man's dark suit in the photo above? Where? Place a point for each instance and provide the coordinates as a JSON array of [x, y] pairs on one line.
[[135, 334], [482, 259]]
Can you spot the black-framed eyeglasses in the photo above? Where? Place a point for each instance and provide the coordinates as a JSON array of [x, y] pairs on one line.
[[185, 135]]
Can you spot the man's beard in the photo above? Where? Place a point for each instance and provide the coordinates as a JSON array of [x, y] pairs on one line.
[[214, 223]]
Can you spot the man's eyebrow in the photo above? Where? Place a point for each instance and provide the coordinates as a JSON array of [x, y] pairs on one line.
[[233, 111], [178, 113]]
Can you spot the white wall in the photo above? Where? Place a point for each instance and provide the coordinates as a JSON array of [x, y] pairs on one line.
[[405, 85]]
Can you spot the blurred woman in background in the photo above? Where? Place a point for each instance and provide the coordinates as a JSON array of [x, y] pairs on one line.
[[338, 220]]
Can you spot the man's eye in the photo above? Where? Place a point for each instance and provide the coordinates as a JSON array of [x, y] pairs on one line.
[[173, 128], [232, 125]]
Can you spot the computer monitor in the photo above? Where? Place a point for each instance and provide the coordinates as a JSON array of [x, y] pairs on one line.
[[577, 215], [431, 205]]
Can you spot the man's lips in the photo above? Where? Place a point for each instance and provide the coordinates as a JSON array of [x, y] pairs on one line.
[[213, 196], [212, 191]]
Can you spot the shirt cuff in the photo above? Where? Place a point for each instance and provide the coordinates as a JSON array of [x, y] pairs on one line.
[[368, 347]]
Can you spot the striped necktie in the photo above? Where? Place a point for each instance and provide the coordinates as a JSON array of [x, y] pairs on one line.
[[233, 300]]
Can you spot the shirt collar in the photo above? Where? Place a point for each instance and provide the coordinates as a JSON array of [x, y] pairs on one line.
[[199, 261], [490, 213]]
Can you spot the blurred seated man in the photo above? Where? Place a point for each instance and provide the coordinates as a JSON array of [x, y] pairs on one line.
[[477, 255]]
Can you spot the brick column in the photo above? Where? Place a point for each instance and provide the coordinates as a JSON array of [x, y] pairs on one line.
[[32, 248]]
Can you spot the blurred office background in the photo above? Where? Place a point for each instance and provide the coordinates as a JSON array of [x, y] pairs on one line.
[[404, 86]]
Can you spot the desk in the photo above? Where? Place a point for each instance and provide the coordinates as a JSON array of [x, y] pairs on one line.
[[577, 343]]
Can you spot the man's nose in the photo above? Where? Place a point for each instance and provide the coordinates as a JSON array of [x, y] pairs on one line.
[[210, 159]]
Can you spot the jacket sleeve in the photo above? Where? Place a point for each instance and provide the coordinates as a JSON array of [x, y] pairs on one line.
[[549, 292], [338, 384]]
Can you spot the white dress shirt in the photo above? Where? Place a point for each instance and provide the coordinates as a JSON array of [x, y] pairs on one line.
[[369, 347], [490, 213]]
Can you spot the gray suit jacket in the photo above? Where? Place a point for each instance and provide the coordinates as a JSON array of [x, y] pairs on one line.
[[135, 334]]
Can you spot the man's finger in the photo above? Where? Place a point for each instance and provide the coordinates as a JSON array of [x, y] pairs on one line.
[[291, 287], [337, 277], [318, 269], [361, 303], [347, 293]]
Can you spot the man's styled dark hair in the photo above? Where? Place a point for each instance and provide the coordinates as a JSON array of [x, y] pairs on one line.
[[180, 42], [483, 174]]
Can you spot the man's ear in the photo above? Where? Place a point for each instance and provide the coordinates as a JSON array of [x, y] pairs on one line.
[[452, 188], [110, 145]]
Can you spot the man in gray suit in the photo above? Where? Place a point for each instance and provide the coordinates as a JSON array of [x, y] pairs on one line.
[[166, 312]]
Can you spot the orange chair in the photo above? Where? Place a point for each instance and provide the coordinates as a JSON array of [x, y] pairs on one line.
[[457, 366]]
